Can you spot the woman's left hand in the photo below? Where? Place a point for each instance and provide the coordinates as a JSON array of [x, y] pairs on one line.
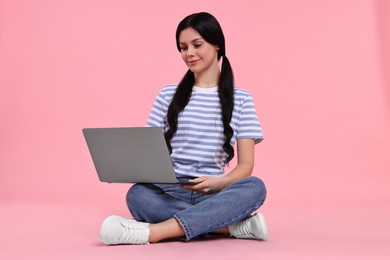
[[207, 184]]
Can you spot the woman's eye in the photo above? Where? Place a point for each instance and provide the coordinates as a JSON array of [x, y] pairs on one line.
[[183, 48], [197, 45]]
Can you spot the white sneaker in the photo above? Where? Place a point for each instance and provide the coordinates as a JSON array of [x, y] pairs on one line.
[[253, 227], [117, 230]]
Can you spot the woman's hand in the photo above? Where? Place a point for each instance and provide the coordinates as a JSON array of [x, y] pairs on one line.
[[207, 184]]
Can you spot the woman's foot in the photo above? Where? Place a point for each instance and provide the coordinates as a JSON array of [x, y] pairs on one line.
[[117, 230], [253, 227]]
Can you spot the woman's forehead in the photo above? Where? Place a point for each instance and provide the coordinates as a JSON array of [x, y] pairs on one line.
[[189, 35]]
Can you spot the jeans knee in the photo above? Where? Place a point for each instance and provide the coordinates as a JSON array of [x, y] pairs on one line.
[[258, 189], [134, 198]]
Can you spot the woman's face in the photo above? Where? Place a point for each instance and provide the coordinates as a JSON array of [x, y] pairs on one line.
[[197, 54]]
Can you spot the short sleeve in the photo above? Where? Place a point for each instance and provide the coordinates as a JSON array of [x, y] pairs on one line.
[[249, 125], [158, 114]]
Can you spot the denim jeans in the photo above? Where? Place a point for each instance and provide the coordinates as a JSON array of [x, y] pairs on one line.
[[197, 213]]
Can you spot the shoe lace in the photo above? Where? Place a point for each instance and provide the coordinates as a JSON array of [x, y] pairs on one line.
[[243, 230], [131, 234]]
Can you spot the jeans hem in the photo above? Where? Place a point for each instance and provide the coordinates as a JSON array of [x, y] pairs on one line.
[[184, 225]]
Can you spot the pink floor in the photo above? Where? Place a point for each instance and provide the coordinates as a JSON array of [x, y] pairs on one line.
[[38, 230]]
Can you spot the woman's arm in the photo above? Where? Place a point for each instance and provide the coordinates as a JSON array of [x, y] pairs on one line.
[[245, 163]]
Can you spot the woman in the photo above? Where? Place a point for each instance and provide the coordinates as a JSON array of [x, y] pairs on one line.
[[202, 118]]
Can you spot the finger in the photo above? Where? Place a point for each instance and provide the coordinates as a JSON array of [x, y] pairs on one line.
[[190, 186], [195, 187], [197, 180]]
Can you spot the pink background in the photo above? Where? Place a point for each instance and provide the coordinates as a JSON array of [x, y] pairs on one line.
[[319, 72]]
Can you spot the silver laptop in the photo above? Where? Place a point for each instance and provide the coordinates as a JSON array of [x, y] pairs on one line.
[[131, 155]]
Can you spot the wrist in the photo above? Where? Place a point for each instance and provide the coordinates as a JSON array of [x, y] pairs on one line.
[[227, 180]]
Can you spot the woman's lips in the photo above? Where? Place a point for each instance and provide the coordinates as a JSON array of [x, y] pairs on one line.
[[192, 62]]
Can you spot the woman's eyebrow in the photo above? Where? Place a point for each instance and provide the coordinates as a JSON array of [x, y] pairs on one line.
[[194, 40]]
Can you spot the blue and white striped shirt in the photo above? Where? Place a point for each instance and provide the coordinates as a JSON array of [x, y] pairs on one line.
[[197, 145]]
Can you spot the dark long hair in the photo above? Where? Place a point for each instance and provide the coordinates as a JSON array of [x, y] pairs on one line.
[[208, 27]]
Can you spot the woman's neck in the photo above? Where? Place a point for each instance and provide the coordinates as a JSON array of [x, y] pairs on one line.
[[208, 79]]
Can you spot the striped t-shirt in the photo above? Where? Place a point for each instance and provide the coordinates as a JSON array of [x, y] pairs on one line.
[[197, 146]]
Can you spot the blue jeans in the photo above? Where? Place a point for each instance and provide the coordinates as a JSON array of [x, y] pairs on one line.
[[197, 213]]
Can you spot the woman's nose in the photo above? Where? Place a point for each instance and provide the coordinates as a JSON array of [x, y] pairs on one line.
[[190, 51]]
